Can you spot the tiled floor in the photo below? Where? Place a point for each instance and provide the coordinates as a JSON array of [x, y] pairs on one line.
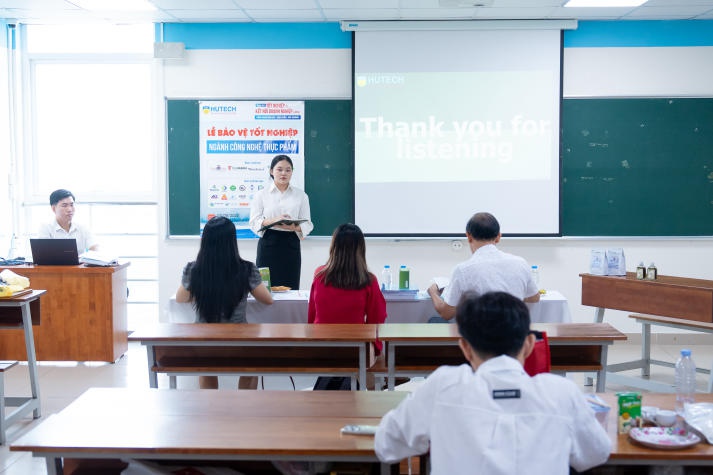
[[61, 383]]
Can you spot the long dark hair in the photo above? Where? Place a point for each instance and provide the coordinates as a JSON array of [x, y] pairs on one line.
[[346, 267], [219, 277]]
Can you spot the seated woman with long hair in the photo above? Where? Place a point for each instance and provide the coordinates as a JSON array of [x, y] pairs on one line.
[[343, 290], [218, 283]]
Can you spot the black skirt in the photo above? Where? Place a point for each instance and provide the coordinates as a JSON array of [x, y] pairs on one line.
[[280, 251]]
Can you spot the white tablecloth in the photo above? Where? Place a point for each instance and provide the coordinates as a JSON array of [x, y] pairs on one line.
[[291, 307]]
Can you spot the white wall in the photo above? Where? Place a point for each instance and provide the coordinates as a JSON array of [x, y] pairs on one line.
[[327, 74]]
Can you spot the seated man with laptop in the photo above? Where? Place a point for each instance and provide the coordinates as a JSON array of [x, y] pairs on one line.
[[63, 226]]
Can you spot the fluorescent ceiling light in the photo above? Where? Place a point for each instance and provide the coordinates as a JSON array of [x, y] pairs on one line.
[[605, 3], [115, 5]]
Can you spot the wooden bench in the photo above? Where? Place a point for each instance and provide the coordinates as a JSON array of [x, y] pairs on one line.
[[646, 361], [255, 349], [418, 349]]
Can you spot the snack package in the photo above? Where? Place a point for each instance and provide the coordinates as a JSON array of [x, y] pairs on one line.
[[629, 411], [616, 263], [598, 262]]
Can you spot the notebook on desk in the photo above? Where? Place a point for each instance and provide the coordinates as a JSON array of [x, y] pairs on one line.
[[54, 252]]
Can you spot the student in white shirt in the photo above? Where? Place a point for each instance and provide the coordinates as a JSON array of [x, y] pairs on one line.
[[489, 416], [487, 270], [279, 246], [63, 226]]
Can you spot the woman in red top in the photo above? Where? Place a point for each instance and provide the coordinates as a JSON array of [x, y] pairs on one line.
[[343, 290]]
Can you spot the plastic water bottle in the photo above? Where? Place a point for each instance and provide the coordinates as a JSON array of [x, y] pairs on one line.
[[685, 381], [12, 253], [386, 278], [536, 275]]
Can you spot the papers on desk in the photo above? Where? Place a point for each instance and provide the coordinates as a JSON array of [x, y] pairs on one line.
[[94, 258], [407, 294]]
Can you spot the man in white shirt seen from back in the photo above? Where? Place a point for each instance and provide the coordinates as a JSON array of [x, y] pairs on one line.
[[63, 226], [489, 416], [488, 269]]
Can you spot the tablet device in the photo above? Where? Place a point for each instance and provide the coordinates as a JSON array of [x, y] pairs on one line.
[[54, 252]]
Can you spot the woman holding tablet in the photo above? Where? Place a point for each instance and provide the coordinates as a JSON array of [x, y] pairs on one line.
[[280, 216]]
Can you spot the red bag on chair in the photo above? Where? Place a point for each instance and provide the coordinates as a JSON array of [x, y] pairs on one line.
[[539, 360]]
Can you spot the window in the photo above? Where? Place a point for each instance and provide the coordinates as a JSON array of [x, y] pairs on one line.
[[89, 127]]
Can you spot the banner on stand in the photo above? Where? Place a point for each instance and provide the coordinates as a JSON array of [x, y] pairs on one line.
[[238, 140]]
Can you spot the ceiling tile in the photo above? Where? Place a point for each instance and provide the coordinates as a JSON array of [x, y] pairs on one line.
[[338, 14], [437, 13], [205, 5], [360, 4], [285, 15], [286, 5], [203, 15]]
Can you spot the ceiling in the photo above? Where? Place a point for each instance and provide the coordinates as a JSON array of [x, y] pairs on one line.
[[70, 11]]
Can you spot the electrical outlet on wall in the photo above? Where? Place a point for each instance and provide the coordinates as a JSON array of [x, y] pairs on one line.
[[456, 246]]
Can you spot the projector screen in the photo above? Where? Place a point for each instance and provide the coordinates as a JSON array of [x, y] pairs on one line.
[[449, 123]]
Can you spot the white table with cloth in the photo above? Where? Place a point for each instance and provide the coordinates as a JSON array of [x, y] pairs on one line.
[[291, 307]]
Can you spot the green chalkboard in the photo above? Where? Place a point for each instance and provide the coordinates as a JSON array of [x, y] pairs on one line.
[[637, 167], [329, 165]]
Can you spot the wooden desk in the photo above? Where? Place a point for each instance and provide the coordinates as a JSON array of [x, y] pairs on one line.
[[678, 297], [626, 452], [417, 349], [209, 425], [83, 316], [255, 349], [16, 313]]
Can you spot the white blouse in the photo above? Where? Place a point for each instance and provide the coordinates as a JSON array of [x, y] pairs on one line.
[[271, 203]]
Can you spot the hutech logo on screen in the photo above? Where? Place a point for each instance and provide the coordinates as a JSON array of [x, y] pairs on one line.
[[380, 80]]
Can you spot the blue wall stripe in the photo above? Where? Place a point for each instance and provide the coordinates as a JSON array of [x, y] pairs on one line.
[[257, 35], [644, 33]]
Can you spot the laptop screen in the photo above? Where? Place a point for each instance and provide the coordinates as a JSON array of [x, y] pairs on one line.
[[54, 252]]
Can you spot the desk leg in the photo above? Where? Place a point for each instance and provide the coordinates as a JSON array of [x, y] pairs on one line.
[[2, 408], [31, 358], [602, 373], [645, 349], [151, 358], [54, 466], [388, 469], [390, 366], [362, 365], [598, 318], [598, 315]]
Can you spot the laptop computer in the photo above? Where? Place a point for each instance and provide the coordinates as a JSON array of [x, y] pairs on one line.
[[54, 252]]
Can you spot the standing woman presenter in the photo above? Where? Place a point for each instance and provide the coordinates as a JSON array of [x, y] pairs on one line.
[[279, 245]]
